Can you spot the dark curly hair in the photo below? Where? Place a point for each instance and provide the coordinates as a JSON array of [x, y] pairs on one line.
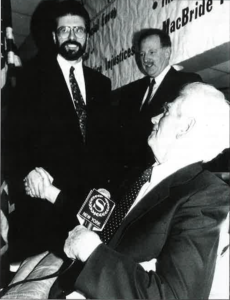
[[70, 7]]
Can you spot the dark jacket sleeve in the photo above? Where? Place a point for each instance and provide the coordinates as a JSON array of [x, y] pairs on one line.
[[185, 266], [23, 121], [67, 210]]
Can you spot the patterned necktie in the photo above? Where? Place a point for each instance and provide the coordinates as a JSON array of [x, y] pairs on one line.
[[123, 207], [79, 103], [148, 98]]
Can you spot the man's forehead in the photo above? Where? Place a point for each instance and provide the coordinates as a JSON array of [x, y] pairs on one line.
[[70, 19], [151, 40], [172, 106]]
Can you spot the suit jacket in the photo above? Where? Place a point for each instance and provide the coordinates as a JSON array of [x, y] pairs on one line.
[[44, 132], [135, 125], [177, 223]]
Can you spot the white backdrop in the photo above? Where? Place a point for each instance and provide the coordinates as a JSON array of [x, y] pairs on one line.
[[194, 27]]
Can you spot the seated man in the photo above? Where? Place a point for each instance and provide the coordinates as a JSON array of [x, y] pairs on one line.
[[173, 219]]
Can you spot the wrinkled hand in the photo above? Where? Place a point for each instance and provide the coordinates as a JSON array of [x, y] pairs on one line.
[[80, 243], [37, 182]]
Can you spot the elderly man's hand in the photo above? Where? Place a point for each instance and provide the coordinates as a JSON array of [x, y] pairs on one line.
[[80, 243]]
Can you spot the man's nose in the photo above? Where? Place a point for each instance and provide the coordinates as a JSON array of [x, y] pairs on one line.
[[146, 57], [72, 34], [156, 119]]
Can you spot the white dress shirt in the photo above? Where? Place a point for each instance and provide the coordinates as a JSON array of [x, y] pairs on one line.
[[158, 80], [78, 73], [159, 173]]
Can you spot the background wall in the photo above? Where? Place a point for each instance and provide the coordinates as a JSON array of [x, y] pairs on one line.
[[194, 26], [199, 31]]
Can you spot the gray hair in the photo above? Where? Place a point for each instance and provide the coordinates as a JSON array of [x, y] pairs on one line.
[[210, 110]]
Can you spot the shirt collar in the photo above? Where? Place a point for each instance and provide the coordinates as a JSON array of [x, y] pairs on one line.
[[161, 171], [161, 76], [65, 64]]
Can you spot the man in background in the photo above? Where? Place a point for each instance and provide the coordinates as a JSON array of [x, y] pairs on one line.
[[59, 120], [144, 98]]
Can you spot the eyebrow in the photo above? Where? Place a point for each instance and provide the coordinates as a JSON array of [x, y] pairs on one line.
[[166, 106]]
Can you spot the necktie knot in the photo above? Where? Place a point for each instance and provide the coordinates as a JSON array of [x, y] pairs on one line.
[[147, 174], [152, 82], [71, 70], [151, 85], [149, 95]]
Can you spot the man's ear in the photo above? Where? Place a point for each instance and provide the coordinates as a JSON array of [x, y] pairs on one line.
[[185, 127], [168, 52], [54, 38]]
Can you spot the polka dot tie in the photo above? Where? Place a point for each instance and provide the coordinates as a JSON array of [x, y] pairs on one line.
[[123, 207], [79, 103]]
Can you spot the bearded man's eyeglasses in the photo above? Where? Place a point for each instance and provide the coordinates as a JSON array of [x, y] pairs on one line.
[[64, 31]]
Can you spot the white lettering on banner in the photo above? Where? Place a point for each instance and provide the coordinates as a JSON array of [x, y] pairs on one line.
[[111, 49]]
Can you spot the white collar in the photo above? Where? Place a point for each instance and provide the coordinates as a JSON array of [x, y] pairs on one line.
[[65, 64], [161, 171], [161, 76]]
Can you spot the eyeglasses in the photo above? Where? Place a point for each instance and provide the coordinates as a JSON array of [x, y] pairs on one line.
[[64, 31]]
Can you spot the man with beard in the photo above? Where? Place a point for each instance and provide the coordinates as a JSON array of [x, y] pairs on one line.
[[58, 120]]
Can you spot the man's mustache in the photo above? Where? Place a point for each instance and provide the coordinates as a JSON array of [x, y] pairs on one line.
[[69, 42]]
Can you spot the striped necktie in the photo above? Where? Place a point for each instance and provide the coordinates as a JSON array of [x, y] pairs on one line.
[[79, 103], [123, 206]]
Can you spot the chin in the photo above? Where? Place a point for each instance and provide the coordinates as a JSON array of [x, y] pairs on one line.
[[151, 137], [72, 56], [151, 143]]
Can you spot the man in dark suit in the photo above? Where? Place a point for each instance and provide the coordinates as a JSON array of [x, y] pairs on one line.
[[166, 244], [175, 219], [58, 120], [144, 98]]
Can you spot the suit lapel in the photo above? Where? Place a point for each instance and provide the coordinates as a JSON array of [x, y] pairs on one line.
[[142, 88], [56, 81], [163, 92], [57, 95], [88, 85], [167, 82], [157, 195]]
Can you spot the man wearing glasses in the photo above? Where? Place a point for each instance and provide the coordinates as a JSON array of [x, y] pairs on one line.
[[58, 120]]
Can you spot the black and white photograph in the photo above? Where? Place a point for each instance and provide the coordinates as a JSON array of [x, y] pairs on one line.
[[115, 149]]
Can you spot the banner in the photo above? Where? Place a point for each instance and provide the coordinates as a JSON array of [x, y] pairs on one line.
[[194, 27]]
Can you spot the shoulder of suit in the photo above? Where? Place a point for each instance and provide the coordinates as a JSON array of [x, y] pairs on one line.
[[40, 65], [187, 76], [202, 179], [137, 84], [96, 74]]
